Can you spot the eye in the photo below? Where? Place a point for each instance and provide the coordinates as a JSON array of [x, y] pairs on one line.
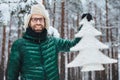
[[37, 19], [40, 19]]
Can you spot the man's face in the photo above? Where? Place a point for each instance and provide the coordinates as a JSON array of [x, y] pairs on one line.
[[37, 22]]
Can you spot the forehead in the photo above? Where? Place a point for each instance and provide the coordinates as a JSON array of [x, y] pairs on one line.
[[37, 15]]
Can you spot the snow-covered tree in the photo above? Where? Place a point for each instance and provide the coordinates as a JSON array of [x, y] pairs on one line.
[[53, 32], [90, 57]]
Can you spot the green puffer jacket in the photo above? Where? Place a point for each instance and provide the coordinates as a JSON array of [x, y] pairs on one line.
[[36, 60]]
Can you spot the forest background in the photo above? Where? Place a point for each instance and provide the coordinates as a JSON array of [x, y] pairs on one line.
[[65, 16]]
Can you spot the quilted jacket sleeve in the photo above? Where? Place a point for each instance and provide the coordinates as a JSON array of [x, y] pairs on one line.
[[13, 66], [65, 44]]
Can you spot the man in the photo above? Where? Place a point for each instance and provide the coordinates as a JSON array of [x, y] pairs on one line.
[[35, 55]]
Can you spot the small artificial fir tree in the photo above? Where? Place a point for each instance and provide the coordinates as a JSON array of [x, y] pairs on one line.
[[90, 58]]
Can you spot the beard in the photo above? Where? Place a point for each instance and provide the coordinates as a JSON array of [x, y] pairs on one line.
[[38, 28]]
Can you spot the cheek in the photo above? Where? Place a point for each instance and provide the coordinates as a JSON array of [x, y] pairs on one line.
[[31, 24], [43, 24]]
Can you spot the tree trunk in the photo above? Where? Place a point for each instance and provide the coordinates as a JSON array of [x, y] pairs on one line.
[[107, 31], [62, 64], [9, 35], [95, 15], [53, 21], [3, 54]]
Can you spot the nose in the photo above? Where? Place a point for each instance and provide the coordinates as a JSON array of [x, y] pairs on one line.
[[38, 22]]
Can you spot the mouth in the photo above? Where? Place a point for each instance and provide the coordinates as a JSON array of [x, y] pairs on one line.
[[38, 30]]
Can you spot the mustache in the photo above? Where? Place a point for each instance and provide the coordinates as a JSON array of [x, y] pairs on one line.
[[39, 25]]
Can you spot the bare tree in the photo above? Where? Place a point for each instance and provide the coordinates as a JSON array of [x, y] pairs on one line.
[[3, 54]]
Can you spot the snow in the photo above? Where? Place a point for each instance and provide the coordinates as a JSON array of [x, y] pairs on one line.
[[13, 7], [92, 67], [39, 1], [23, 5], [4, 8], [53, 31], [119, 56], [99, 3], [112, 11], [90, 58], [12, 0], [87, 29], [88, 33], [91, 43], [50, 1], [28, 2]]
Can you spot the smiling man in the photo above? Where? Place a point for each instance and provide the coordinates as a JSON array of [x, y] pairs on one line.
[[35, 55]]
